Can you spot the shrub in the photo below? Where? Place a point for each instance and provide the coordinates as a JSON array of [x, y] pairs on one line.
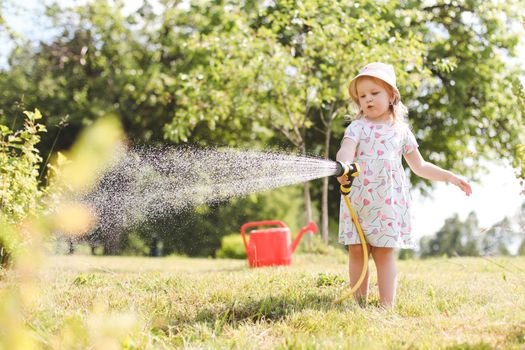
[[19, 192], [19, 164], [232, 247], [9, 240]]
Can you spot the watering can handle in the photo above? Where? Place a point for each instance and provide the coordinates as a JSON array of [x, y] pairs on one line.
[[258, 223]]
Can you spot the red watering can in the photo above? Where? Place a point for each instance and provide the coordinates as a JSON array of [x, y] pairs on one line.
[[272, 246]]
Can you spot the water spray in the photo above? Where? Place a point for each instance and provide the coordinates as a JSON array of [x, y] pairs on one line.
[[145, 184], [351, 171]]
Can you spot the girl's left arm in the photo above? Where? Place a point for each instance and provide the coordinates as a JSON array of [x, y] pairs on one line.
[[429, 171]]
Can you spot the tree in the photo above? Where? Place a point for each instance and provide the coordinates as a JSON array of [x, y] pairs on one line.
[[455, 238], [470, 109], [274, 74], [521, 250], [497, 239], [291, 67], [279, 80], [520, 220]]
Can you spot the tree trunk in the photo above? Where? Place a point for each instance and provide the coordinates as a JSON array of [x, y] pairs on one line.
[[308, 207], [154, 247], [71, 247], [324, 204], [307, 202], [111, 242]]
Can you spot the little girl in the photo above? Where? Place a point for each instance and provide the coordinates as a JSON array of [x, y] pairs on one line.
[[376, 139]]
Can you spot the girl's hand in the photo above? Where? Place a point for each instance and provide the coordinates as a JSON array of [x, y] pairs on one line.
[[343, 180], [462, 184]]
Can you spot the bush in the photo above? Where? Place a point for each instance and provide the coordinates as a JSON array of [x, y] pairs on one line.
[[19, 164], [9, 240], [19, 192], [135, 245], [232, 247]]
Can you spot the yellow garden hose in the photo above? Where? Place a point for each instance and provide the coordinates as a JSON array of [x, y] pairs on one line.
[[353, 171]]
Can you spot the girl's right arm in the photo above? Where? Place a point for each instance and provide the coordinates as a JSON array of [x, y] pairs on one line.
[[432, 172], [346, 155]]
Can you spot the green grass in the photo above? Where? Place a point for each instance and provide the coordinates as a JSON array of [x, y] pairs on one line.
[[165, 303]]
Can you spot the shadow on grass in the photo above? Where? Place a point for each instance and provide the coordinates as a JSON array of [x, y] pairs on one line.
[[226, 269], [477, 346], [266, 309]]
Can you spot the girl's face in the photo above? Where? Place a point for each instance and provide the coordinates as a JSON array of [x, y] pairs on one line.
[[374, 99]]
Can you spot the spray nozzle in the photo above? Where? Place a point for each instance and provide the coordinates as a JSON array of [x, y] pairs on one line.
[[348, 169], [351, 170]]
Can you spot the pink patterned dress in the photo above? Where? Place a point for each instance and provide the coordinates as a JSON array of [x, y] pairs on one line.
[[380, 194]]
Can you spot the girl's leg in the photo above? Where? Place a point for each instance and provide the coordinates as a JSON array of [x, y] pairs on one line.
[[386, 275], [355, 252]]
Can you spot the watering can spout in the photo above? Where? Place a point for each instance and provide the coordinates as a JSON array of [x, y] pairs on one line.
[[312, 227]]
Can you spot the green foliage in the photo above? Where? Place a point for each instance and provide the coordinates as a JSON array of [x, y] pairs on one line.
[[274, 74], [134, 245], [470, 110], [199, 232], [83, 279], [406, 254], [19, 192], [232, 247], [289, 66], [278, 71], [519, 163], [97, 330], [520, 220], [497, 239], [324, 279], [9, 242], [455, 238], [19, 168], [521, 250]]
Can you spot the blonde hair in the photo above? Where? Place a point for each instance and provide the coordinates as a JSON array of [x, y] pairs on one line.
[[398, 109]]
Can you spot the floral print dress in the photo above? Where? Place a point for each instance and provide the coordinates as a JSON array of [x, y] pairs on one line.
[[380, 194]]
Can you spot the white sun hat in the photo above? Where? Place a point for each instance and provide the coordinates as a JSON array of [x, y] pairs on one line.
[[377, 70]]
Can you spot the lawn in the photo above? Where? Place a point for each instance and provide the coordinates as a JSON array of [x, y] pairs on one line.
[[175, 302]]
